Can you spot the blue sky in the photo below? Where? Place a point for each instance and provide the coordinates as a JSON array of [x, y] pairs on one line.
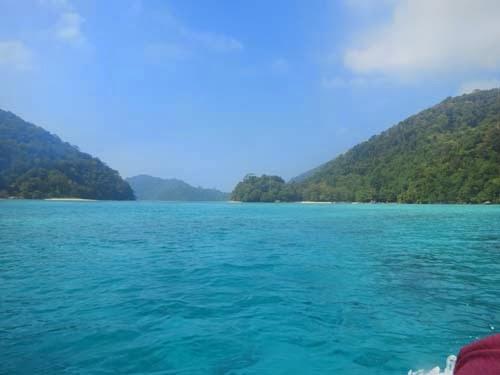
[[210, 90]]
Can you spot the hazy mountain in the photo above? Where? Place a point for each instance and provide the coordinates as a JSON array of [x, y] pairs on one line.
[[37, 164], [155, 188]]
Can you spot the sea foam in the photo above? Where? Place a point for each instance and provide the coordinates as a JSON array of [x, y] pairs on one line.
[[448, 370]]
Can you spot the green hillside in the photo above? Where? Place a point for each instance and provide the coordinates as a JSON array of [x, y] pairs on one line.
[[155, 188], [448, 153], [265, 189], [37, 164]]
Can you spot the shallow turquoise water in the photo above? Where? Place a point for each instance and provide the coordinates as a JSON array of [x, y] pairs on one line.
[[219, 288]]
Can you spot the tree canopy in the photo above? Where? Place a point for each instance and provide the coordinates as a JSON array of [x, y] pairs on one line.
[[36, 164], [448, 153], [264, 189]]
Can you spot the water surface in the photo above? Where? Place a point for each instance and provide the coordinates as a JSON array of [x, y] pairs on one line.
[[219, 288]]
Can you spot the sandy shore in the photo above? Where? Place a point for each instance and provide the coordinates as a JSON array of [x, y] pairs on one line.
[[313, 202]]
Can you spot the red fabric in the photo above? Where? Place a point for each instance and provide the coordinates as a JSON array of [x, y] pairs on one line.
[[482, 357]]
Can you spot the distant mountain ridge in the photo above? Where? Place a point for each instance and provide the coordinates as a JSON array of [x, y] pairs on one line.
[[449, 153], [155, 188], [37, 164]]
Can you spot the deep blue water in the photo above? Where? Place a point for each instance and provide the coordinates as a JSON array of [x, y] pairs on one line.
[[219, 288]]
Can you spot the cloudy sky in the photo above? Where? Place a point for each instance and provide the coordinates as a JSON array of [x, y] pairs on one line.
[[210, 90]]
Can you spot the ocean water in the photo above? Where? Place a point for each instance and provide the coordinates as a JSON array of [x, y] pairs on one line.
[[219, 288]]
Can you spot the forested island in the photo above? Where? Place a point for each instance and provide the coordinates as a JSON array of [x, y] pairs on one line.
[[154, 188], [35, 164], [266, 189], [449, 153]]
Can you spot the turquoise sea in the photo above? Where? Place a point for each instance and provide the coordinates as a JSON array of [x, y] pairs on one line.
[[220, 288]]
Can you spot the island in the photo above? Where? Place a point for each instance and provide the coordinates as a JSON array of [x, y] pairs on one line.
[[449, 153]]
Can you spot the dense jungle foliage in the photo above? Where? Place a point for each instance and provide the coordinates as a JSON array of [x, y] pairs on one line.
[[265, 189], [35, 164], [448, 153]]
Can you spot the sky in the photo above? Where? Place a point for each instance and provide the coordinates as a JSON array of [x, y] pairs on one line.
[[210, 90]]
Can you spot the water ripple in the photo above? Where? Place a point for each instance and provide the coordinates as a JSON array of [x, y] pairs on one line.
[[164, 288]]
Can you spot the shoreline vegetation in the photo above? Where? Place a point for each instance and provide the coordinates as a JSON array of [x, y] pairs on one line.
[[305, 203], [487, 203]]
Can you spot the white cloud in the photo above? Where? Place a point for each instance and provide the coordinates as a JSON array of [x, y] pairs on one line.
[[16, 55], [185, 42], [470, 86], [429, 37], [69, 26]]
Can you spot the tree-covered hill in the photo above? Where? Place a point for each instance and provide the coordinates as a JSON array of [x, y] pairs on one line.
[[265, 189], [37, 164], [448, 153], [155, 188]]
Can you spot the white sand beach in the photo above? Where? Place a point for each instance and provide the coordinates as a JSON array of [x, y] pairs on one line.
[[313, 202]]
